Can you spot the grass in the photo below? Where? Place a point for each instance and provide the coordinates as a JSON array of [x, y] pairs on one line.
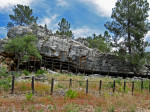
[[75, 98]]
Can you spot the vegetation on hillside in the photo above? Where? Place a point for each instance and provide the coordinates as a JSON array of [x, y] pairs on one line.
[[23, 48], [102, 43]]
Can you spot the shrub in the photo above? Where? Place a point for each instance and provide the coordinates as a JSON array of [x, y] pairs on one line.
[[29, 96], [5, 84], [40, 72], [3, 71], [25, 72], [71, 94]]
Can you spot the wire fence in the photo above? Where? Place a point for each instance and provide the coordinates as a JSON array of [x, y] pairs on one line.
[[52, 86]]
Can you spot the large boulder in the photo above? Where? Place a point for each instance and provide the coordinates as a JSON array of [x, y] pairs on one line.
[[38, 31]]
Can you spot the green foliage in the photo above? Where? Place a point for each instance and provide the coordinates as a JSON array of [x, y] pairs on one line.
[[99, 109], [108, 85], [29, 96], [64, 27], [23, 48], [80, 83], [118, 80], [71, 94], [135, 61], [9, 25], [60, 86], [130, 22], [23, 15], [25, 72], [40, 72], [111, 109], [5, 84], [99, 42], [3, 71]]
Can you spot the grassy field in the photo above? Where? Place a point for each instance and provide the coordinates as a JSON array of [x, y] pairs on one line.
[[74, 99]]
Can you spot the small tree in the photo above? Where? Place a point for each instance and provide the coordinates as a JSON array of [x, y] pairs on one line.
[[64, 27], [23, 48], [23, 15], [98, 42]]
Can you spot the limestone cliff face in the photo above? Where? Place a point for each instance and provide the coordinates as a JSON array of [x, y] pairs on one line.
[[68, 50]]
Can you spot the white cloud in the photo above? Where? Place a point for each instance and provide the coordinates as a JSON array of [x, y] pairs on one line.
[[85, 31], [61, 3], [6, 4], [3, 32], [103, 7], [49, 21]]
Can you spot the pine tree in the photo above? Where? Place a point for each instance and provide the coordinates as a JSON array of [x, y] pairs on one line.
[[130, 23], [23, 15], [64, 28]]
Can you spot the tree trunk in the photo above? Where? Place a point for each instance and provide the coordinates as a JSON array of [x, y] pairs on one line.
[[129, 35], [18, 64]]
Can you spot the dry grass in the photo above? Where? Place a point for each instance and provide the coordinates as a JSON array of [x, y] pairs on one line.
[[118, 102], [105, 101]]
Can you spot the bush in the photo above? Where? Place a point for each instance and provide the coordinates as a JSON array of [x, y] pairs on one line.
[[3, 71], [29, 96], [71, 94], [25, 72], [40, 72], [5, 84]]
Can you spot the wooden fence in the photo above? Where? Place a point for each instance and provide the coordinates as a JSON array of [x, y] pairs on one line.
[[86, 87]]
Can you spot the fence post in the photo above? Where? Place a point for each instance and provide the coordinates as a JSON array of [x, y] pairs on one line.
[[124, 86], [100, 86], [141, 85], [52, 86], [70, 83], [132, 87], [32, 84], [13, 82], [149, 86], [87, 86], [114, 87]]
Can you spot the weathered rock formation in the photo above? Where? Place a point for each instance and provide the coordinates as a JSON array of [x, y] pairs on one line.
[[68, 50]]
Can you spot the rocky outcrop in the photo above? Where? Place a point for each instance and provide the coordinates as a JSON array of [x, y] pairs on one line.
[[83, 41], [38, 31], [68, 50]]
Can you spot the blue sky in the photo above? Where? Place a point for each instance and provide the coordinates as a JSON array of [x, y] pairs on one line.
[[86, 16]]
